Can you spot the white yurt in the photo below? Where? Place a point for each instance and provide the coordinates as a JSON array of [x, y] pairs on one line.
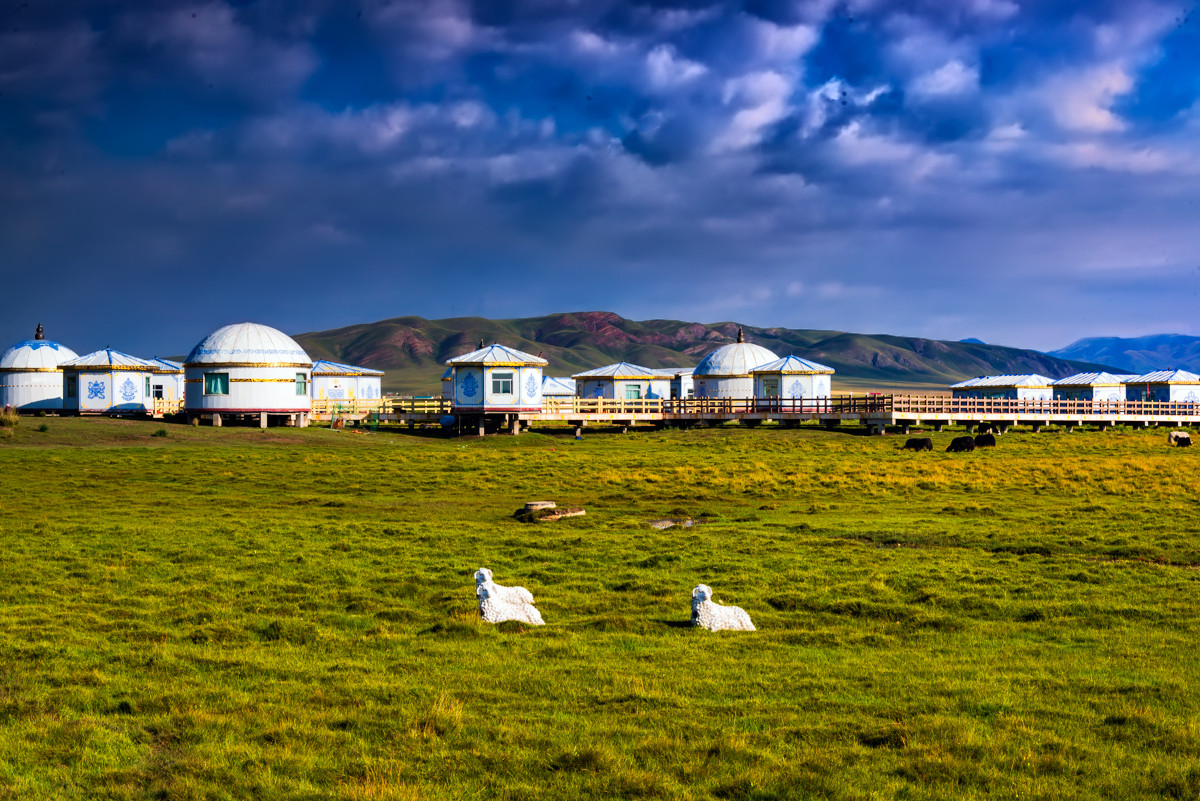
[[1164, 385], [248, 370], [1005, 387], [106, 382], [1091, 387], [622, 381], [166, 381], [336, 381], [793, 378], [725, 373], [31, 377], [496, 378]]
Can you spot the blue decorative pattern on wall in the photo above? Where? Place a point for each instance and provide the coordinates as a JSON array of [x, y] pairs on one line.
[[95, 390], [128, 391], [531, 386], [795, 389], [470, 387], [1190, 397]]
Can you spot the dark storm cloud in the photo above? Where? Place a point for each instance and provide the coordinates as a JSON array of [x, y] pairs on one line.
[[862, 165]]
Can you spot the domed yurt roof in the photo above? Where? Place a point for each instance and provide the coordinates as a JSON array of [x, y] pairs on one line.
[[34, 354], [248, 344], [737, 359]]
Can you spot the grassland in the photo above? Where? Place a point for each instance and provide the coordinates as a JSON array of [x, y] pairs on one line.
[[231, 613]]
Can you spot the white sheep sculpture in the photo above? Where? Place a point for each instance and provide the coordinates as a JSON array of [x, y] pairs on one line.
[[713, 616], [512, 595], [498, 604], [494, 610]]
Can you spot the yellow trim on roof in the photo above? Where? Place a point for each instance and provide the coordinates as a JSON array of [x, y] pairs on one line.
[[218, 365]]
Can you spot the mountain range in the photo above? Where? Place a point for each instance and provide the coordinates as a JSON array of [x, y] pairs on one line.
[[1138, 354], [413, 350]]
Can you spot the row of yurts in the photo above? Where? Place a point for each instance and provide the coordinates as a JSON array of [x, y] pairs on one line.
[[249, 368], [238, 369], [1159, 385], [499, 378]]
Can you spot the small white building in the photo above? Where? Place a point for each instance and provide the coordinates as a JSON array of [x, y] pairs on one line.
[[248, 370], [31, 377], [1164, 385], [107, 382], [1090, 387], [496, 378], [792, 378], [166, 380], [726, 372], [448, 384], [681, 381], [336, 381], [558, 387], [622, 381], [1005, 387]]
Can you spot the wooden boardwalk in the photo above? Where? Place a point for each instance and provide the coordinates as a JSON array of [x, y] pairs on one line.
[[874, 411]]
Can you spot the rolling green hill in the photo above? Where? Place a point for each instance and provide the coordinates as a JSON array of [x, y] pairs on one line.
[[414, 350]]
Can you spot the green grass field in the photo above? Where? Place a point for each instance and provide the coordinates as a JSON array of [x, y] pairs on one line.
[[233, 613]]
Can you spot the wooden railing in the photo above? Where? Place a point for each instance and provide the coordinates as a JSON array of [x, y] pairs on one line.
[[916, 406], [944, 406], [160, 407]]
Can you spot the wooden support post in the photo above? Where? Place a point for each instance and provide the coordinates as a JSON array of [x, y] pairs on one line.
[[262, 419], [516, 426], [216, 420], [1037, 428], [904, 429], [482, 430], [938, 427]]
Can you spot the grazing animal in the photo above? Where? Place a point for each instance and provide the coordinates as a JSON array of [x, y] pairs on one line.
[[514, 595], [713, 616], [985, 441], [1180, 439], [919, 444], [494, 609], [961, 445]]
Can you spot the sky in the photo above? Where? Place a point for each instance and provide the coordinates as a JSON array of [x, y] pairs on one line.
[[1027, 173]]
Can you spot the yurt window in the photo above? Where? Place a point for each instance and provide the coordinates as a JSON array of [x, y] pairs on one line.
[[72, 387], [216, 383], [147, 392], [633, 392], [301, 383], [502, 383]]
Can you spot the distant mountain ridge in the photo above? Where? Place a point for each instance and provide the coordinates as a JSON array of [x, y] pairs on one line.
[[1138, 354], [413, 350]]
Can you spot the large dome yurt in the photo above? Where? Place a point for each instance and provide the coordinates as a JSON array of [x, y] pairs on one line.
[[725, 373], [31, 377], [247, 370]]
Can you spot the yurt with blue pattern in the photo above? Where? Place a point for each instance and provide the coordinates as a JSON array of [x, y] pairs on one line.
[[1005, 387], [31, 377], [1164, 385], [622, 381], [497, 378], [107, 382], [336, 381], [792, 378], [1091, 387]]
